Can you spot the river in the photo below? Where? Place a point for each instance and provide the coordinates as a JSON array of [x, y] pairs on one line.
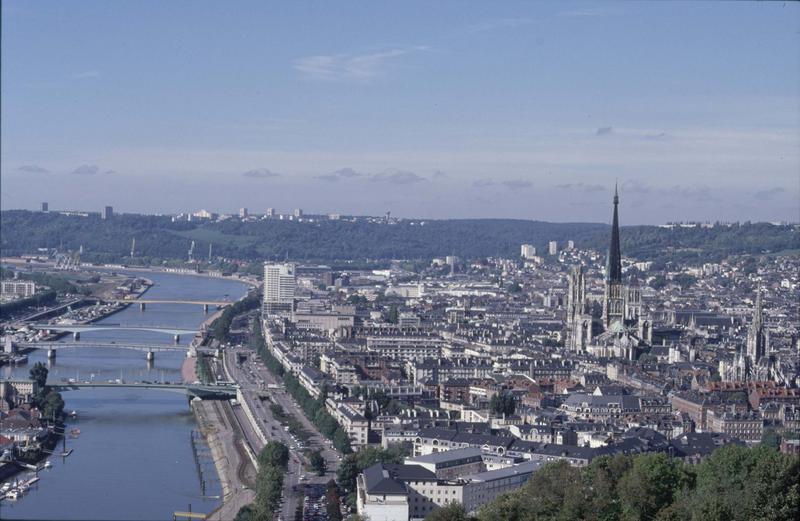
[[133, 458]]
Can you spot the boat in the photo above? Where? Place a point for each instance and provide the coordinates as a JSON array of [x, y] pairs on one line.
[[13, 494], [47, 464], [75, 433], [5, 488], [74, 414]]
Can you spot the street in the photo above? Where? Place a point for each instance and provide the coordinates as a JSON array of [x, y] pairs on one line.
[[254, 378]]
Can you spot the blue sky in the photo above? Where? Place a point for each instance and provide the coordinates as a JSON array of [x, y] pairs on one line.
[[428, 109]]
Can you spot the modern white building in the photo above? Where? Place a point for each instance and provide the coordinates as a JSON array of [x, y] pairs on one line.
[[279, 285], [411, 491], [17, 288], [552, 247], [527, 251]]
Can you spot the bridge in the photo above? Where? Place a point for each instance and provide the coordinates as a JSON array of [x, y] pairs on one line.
[[150, 349], [79, 328], [204, 392], [143, 302], [101, 344]]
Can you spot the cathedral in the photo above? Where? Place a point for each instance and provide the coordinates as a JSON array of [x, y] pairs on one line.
[[621, 330], [754, 362]]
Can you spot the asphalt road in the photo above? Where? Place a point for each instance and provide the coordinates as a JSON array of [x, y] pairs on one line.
[[254, 378]]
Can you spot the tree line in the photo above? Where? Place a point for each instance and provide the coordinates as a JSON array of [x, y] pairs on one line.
[[734, 483], [159, 239], [273, 462], [313, 408]]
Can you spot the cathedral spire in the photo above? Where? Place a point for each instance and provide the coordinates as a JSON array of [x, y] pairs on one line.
[[614, 260]]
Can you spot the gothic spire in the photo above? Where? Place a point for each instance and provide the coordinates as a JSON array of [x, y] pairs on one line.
[[614, 260]]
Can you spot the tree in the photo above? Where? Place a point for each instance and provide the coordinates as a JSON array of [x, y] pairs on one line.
[[317, 463], [740, 483], [38, 374], [333, 501], [274, 454], [555, 491], [650, 485], [53, 406], [269, 483], [770, 438], [503, 404], [246, 513], [393, 316], [341, 441], [451, 512], [381, 398]]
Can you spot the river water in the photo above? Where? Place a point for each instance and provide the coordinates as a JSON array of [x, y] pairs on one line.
[[133, 458]]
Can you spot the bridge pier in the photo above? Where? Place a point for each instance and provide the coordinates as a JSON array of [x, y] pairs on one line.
[[177, 338], [76, 336], [205, 308], [51, 354], [142, 306], [151, 356]]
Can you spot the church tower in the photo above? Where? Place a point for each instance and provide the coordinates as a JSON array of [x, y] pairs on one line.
[[614, 301], [579, 320], [757, 335]]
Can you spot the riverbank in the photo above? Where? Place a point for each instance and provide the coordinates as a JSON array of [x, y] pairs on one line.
[[234, 468]]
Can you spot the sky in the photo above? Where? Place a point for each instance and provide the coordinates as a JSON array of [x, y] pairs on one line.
[[440, 109]]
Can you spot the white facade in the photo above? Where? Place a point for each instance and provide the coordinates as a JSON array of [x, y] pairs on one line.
[[381, 507], [552, 247], [18, 288], [527, 251], [279, 286]]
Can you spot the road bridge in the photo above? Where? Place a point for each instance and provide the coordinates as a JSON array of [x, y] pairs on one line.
[[97, 345], [150, 349], [143, 302], [80, 328], [204, 392]]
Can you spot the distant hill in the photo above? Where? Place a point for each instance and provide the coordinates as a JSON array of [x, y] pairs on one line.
[[158, 238]]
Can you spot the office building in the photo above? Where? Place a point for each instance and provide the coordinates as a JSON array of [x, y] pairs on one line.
[[270, 212], [108, 212], [552, 248], [279, 286], [242, 213], [527, 251], [45, 207], [298, 212]]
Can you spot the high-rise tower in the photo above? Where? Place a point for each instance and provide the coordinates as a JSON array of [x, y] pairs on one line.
[[614, 301], [279, 287]]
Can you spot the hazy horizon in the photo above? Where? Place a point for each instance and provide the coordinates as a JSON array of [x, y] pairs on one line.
[[446, 110]]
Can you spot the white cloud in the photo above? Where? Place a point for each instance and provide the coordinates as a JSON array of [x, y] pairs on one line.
[[350, 67]]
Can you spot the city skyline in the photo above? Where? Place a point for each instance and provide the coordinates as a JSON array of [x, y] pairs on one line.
[[527, 111]]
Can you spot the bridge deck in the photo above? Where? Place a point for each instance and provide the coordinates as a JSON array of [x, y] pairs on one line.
[[197, 390]]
